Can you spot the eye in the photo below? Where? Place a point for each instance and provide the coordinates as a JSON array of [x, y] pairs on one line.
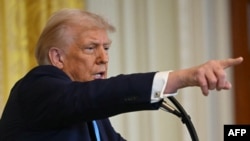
[[106, 48], [89, 49]]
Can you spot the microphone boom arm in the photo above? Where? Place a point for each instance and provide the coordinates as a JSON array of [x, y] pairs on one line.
[[181, 113]]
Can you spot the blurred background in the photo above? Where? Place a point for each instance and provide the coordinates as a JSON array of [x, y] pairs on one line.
[[152, 35]]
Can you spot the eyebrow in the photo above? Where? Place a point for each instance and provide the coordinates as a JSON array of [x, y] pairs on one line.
[[96, 42]]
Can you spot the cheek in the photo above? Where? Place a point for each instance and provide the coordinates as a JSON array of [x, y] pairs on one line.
[[84, 68], [81, 62], [82, 72]]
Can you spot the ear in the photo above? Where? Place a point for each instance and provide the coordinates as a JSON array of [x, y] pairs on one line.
[[56, 58]]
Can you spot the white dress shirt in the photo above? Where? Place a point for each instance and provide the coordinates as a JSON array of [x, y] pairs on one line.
[[159, 84]]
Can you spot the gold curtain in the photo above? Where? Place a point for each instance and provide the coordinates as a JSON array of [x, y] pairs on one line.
[[21, 22]]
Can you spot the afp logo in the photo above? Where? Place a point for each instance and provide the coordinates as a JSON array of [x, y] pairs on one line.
[[236, 132]]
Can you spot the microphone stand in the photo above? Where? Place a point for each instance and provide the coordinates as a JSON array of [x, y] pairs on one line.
[[181, 113]]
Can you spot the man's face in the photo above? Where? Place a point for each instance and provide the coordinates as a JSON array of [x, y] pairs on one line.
[[87, 59]]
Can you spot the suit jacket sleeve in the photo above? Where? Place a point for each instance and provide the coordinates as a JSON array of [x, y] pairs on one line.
[[47, 94]]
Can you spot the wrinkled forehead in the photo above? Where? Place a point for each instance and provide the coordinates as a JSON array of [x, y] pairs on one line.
[[93, 36]]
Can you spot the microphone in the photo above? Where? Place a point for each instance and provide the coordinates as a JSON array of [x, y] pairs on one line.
[[168, 108], [182, 114]]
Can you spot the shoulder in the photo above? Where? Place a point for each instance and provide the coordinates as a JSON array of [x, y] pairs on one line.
[[45, 71]]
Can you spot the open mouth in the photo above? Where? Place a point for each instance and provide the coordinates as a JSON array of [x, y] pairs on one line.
[[99, 75]]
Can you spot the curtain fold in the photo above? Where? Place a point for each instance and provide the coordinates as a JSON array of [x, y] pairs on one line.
[[20, 25]]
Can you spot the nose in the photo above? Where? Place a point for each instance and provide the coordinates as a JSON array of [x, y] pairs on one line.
[[102, 56]]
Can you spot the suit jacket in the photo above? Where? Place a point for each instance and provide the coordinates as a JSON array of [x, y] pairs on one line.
[[46, 105]]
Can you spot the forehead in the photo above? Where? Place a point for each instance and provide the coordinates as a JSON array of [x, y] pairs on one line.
[[95, 35]]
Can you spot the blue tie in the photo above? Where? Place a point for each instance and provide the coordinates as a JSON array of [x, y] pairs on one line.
[[97, 134]]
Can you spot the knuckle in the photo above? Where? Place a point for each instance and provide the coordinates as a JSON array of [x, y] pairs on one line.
[[201, 82], [212, 81], [200, 71]]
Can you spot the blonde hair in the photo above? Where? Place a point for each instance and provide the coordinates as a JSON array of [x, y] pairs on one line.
[[59, 26]]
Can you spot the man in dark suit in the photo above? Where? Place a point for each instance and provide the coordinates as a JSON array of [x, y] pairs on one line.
[[67, 96]]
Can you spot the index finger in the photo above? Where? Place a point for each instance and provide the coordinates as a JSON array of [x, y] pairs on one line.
[[231, 62]]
